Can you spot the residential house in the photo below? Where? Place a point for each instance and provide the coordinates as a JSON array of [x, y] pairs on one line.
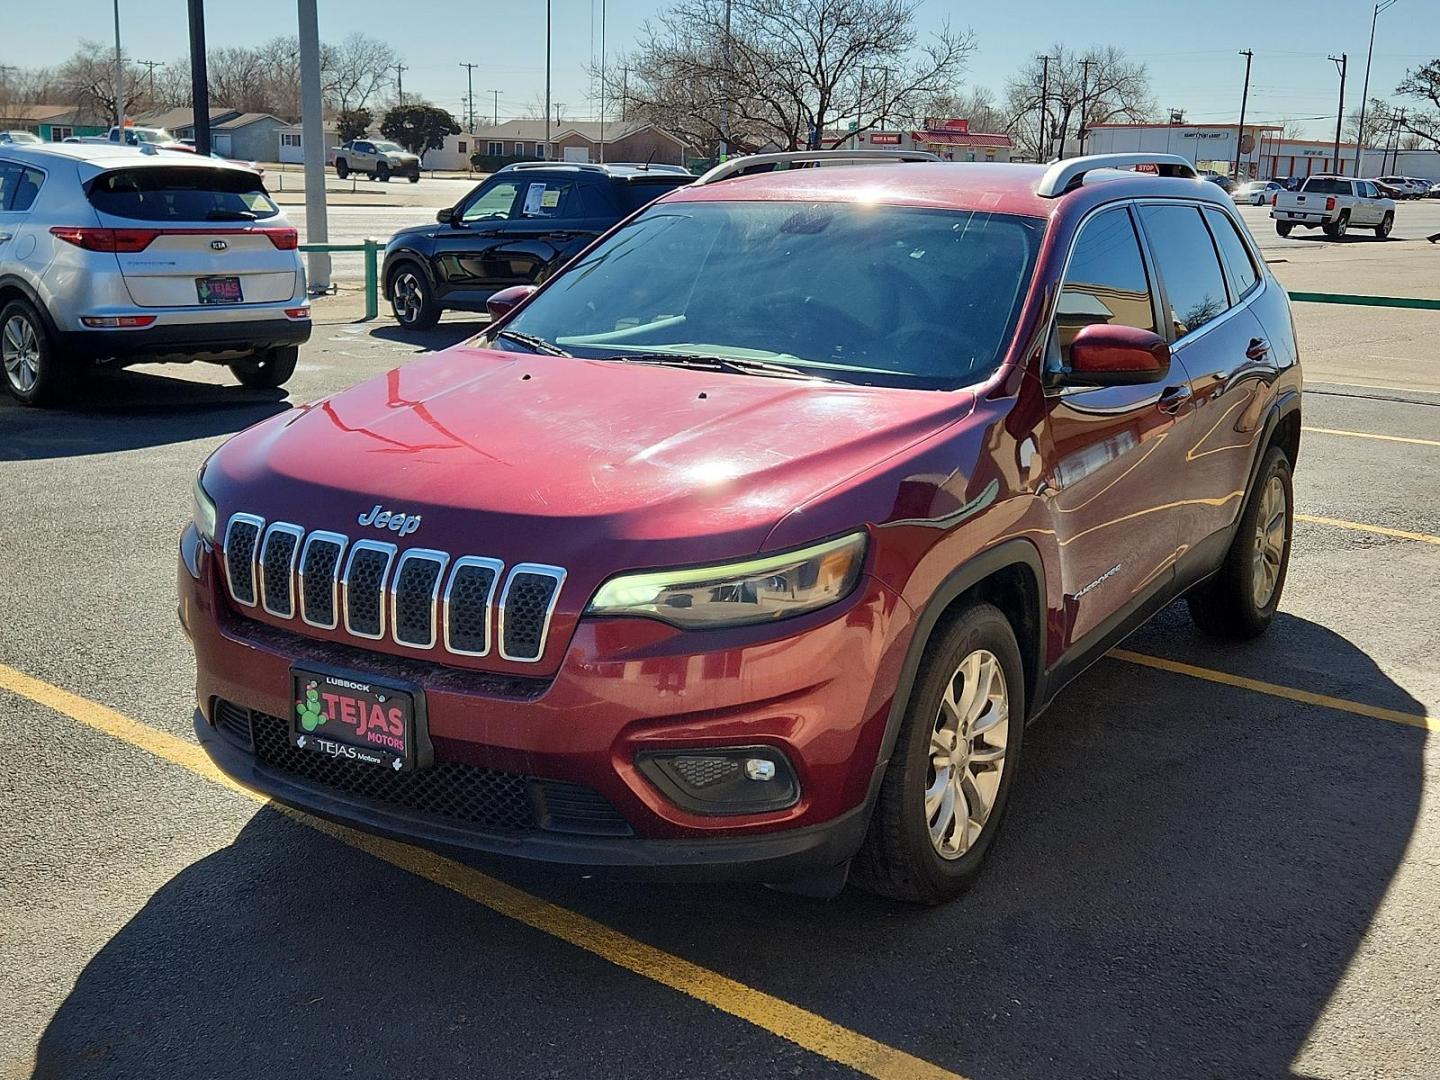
[[53, 123]]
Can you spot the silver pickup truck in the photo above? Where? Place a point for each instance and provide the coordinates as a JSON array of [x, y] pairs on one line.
[[1335, 204], [376, 159]]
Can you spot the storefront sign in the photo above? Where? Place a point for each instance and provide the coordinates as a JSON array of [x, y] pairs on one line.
[[879, 138]]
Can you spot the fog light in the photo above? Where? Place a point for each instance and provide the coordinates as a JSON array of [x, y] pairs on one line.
[[116, 322], [722, 780]]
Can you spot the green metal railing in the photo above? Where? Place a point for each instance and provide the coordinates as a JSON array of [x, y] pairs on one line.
[[1360, 300], [371, 249]]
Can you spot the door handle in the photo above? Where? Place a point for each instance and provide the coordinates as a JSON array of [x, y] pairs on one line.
[[5, 236], [1173, 398], [1259, 349]]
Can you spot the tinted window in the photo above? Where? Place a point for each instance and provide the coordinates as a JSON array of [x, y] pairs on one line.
[[881, 295], [1233, 251], [551, 199], [1185, 257], [1106, 281], [1326, 186], [493, 204], [637, 193], [181, 194]]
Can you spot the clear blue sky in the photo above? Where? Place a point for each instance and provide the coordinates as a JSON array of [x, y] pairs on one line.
[[1190, 48]]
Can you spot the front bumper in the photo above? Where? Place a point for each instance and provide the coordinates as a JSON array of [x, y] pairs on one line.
[[817, 696]]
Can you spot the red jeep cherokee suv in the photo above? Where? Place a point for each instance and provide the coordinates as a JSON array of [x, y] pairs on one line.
[[746, 545]]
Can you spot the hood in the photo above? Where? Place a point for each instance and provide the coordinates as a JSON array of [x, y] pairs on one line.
[[571, 462]]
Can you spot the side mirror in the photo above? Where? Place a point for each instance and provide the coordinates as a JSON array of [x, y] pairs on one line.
[[507, 300], [446, 216], [1107, 355]]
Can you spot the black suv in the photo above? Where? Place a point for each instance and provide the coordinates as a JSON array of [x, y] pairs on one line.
[[516, 228]]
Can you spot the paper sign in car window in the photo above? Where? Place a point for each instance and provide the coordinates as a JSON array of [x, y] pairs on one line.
[[550, 199], [533, 195]]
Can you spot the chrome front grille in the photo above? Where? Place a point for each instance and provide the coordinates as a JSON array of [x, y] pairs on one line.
[[418, 598]]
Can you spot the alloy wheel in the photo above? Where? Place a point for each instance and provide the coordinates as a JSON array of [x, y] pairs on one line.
[[967, 754], [1269, 554], [409, 297], [20, 352]]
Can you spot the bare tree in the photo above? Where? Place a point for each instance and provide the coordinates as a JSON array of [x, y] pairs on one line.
[[87, 81], [788, 72], [359, 68], [239, 79], [1102, 82], [1423, 83], [1377, 123]]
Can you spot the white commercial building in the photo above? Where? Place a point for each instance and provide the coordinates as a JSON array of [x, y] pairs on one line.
[[1264, 152]]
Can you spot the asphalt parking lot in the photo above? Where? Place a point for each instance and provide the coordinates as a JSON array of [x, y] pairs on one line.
[[1222, 861]]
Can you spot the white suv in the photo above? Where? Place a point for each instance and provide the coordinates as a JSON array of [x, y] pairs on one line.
[[123, 255]]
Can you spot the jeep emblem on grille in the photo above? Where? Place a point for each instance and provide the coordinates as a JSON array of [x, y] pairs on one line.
[[404, 524]]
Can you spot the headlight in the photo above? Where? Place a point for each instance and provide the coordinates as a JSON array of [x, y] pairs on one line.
[[204, 508], [756, 590]]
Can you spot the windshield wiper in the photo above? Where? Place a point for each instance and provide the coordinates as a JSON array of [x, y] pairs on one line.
[[531, 342], [732, 365], [231, 215]]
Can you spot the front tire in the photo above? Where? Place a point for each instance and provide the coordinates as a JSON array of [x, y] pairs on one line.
[[1240, 601], [382, 173], [35, 373], [412, 301], [415, 178], [342, 170], [268, 370], [945, 789], [1387, 223]]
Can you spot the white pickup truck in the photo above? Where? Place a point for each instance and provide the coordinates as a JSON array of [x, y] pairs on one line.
[[131, 136], [1335, 204]]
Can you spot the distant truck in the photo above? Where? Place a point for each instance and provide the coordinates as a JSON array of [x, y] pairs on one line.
[[376, 159], [132, 136], [1334, 204]]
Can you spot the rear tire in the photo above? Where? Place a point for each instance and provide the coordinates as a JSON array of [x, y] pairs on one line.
[[1240, 601], [1386, 224], [342, 170], [959, 743], [35, 372], [1283, 227], [1336, 229], [267, 371], [412, 301]]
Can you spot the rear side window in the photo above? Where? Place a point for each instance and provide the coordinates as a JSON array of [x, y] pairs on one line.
[[1188, 265], [1233, 251], [1326, 186], [637, 193], [181, 194], [1106, 280], [18, 187]]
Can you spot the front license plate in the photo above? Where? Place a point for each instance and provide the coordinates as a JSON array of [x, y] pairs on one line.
[[219, 290], [351, 719]]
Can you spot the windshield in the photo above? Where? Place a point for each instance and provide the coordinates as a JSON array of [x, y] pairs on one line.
[[881, 295], [182, 193], [389, 148]]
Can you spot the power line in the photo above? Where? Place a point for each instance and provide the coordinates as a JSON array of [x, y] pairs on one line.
[[400, 70], [470, 93]]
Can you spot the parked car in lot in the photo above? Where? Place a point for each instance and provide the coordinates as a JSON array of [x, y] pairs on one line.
[[116, 255], [1408, 187], [1256, 192], [749, 542], [377, 160], [22, 138], [130, 135], [1220, 179], [514, 229], [1333, 204]]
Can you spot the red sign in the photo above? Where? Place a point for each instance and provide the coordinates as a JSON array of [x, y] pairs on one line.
[[881, 139]]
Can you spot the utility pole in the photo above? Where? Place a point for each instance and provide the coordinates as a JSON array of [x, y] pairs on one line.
[[1342, 62], [119, 75], [1249, 55], [1365, 91], [548, 148], [150, 66], [470, 94], [199, 78], [496, 93], [725, 91], [602, 82], [1394, 140], [1042, 152], [1084, 102], [312, 135], [400, 70], [624, 93]]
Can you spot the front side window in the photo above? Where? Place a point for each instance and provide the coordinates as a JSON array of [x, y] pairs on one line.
[[492, 204], [181, 194], [388, 148], [550, 199], [879, 295], [1187, 263], [1106, 280], [1233, 251]]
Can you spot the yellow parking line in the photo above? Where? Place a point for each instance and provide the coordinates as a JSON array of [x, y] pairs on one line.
[[775, 1015], [1371, 435], [1378, 530], [1289, 693]]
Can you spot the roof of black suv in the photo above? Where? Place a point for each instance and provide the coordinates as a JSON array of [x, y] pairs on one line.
[[618, 170]]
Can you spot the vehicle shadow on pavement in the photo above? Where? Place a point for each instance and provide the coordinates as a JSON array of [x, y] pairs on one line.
[[441, 336], [128, 410], [1186, 873]]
